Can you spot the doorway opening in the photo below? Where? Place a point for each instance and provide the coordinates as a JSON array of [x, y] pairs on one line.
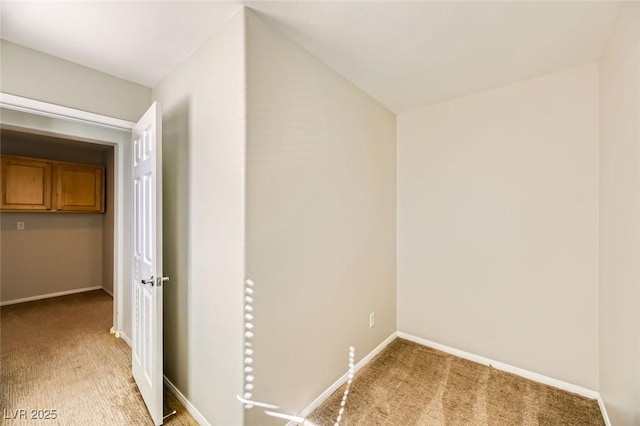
[[78, 128], [58, 217], [132, 152]]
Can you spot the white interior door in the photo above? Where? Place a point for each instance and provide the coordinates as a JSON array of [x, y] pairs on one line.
[[147, 260]]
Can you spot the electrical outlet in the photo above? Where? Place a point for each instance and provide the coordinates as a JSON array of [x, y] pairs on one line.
[[372, 319], [20, 225]]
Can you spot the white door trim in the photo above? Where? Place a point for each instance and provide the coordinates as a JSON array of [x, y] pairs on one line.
[[58, 111], [33, 106]]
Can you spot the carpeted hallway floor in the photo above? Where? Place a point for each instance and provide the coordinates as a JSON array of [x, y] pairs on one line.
[[57, 354], [411, 385]]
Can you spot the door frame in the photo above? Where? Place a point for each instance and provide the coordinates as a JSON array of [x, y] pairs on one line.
[[122, 156]]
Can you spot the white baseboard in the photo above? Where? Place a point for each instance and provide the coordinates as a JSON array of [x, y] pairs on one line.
[[121, 335], [124, 337], [569, 387], [324, 395], [110, 293], [603, 410], [48, 296], [187, 404]]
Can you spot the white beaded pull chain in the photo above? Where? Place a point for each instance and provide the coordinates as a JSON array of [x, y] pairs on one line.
[[249, 379], [248, 345], [345, 395]]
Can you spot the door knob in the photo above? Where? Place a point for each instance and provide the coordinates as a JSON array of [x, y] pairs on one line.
[[149, 281], [155, 281]]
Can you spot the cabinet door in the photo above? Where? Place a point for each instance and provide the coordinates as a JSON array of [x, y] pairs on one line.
[[79, 188], [26, 184]]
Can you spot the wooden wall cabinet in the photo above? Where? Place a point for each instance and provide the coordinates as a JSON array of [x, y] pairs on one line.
[[79, 188], [26, 184], [30, 184]]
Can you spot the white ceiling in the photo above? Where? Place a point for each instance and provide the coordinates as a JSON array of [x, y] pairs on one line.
[[134, 40], [405, 54]]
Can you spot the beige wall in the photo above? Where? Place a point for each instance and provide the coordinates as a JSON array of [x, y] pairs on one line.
[[320, 220], [620, 220], [498, 224], [54, 253], [37, 146], [36, 75], [203, 112]]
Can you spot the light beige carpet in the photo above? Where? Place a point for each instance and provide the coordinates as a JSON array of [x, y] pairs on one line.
[[58, 354], [408, 384]]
